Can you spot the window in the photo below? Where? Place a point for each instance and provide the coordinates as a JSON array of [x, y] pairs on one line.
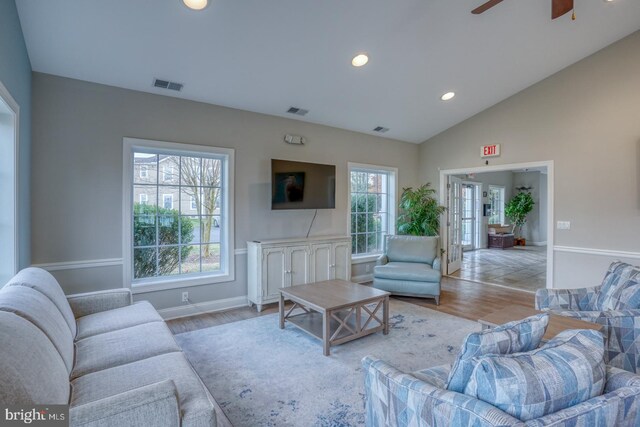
[[181, 230], [167, 201], [144, 171], [372, 207], [496, 204]]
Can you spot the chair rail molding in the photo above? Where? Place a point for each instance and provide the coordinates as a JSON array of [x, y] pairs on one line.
[[601, 252]]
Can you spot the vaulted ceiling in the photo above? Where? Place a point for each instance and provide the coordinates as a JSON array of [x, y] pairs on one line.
[[268, 55]]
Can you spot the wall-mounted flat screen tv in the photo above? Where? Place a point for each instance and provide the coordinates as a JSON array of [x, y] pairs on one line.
[[300, 185]]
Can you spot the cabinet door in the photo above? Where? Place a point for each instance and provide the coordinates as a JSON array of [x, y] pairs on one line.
[[273, 271], [342, 261], [297, 265], [321, 262]]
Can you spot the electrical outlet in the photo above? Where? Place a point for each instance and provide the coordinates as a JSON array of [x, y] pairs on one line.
[[563, 225], [185, 297]]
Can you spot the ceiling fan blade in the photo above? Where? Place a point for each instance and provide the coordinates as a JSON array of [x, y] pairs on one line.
[[560, 7], [488, 5]]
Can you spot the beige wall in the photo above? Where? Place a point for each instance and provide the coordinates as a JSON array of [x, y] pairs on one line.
[[586, 119], [77, 173]]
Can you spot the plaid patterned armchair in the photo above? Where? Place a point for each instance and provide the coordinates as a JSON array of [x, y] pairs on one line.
[[615, 304]]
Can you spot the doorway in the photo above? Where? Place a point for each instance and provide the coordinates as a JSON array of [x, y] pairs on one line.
[[479, 238], [9, 113]]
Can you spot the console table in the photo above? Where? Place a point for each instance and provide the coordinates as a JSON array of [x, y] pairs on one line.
[[501, 241]]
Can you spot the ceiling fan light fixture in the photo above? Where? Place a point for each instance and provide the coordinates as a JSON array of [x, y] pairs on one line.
[[196, 4], [448, 96], [359, 60]]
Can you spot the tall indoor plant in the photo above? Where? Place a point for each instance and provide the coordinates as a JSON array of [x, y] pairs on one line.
[[419, 212], [517, 210]]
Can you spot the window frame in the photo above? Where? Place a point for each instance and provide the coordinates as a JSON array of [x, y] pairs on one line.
[[146, 198], [227, 237], [192, 204], [392, 208], [145, 169], [504, 196], [164, 201]]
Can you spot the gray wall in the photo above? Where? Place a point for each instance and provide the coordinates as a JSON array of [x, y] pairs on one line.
[[15, 74], [586, 119], [77, 174]]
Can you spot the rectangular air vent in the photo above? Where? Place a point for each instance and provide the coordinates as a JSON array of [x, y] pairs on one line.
[[380, 129], [297, 111], [165, 84]]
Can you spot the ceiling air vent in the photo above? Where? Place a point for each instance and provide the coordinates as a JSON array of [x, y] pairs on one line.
[[165, 84], [380, 129], [297, 111]]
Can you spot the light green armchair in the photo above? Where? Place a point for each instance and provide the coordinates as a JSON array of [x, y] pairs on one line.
[[410, 266]]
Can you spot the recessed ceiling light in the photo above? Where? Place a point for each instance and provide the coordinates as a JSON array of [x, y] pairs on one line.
[[196, 4], [447, 96], [359, 60]]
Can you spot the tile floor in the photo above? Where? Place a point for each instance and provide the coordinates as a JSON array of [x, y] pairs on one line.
[[520, 267]]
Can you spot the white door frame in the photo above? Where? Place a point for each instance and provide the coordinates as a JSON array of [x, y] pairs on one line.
[[501, 168], [9, 101]]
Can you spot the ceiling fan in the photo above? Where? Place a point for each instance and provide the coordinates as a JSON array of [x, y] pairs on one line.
[[558, 7]]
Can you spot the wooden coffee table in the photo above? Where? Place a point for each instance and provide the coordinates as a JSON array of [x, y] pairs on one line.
[[556, 325], [336, 311]]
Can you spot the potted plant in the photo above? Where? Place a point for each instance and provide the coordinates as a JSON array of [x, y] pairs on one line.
[[419, 212], [517, 210]]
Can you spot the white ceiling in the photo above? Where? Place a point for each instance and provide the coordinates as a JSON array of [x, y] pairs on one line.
[[266, 56]]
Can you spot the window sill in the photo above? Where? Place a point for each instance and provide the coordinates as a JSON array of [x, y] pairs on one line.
[[363, 259], [179, 282]]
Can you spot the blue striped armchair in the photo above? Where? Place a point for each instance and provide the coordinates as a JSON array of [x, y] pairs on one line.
[[614, 304]]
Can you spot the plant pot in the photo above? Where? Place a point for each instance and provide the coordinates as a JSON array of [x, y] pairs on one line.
[[520, 241]]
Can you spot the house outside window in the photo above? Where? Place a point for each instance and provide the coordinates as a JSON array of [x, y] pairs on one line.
[[372, 207], [496, 204], [180, 233]]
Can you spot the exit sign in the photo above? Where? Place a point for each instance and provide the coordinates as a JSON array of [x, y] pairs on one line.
[[490, 150]]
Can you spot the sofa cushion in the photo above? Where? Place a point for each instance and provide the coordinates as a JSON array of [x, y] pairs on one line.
[[512, 337], [568, 370], [195, 404], [127, 345], [42, 281], [31, 369], [35, 307], [120, 318], [616, 276], [412, 271], [412, 248]]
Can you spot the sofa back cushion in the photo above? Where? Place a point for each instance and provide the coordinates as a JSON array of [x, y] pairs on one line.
[[31, 370], [43, 282], [566, 371], [618, 276], [36, 308], [412, 249], [512, 337]]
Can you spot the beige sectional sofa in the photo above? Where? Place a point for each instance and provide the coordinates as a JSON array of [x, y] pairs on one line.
[[114, 362]]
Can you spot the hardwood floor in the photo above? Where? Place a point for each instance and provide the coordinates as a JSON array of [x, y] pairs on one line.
[[459, 298]]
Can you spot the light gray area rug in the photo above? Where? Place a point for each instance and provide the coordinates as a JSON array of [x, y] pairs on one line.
[[264, 376]]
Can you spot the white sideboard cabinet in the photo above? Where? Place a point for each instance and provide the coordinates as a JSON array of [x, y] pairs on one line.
[[275, 264]]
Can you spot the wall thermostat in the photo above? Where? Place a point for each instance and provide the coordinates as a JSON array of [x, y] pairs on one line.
[[294, 139]]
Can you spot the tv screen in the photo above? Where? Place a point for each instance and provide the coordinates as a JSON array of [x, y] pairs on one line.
[[299, 185]]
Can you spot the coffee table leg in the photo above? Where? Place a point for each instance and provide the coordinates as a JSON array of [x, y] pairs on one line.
[[281, 308], [326, 333], [385, 315]]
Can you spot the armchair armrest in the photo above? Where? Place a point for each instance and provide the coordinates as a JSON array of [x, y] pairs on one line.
[[436, 264], [393, 398], [153, 405], [95, 302], [382, 260], [619, 378], [567, 299]]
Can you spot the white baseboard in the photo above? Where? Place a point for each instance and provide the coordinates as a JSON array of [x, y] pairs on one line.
[[203, 307], [537, 243], [363, 278]]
